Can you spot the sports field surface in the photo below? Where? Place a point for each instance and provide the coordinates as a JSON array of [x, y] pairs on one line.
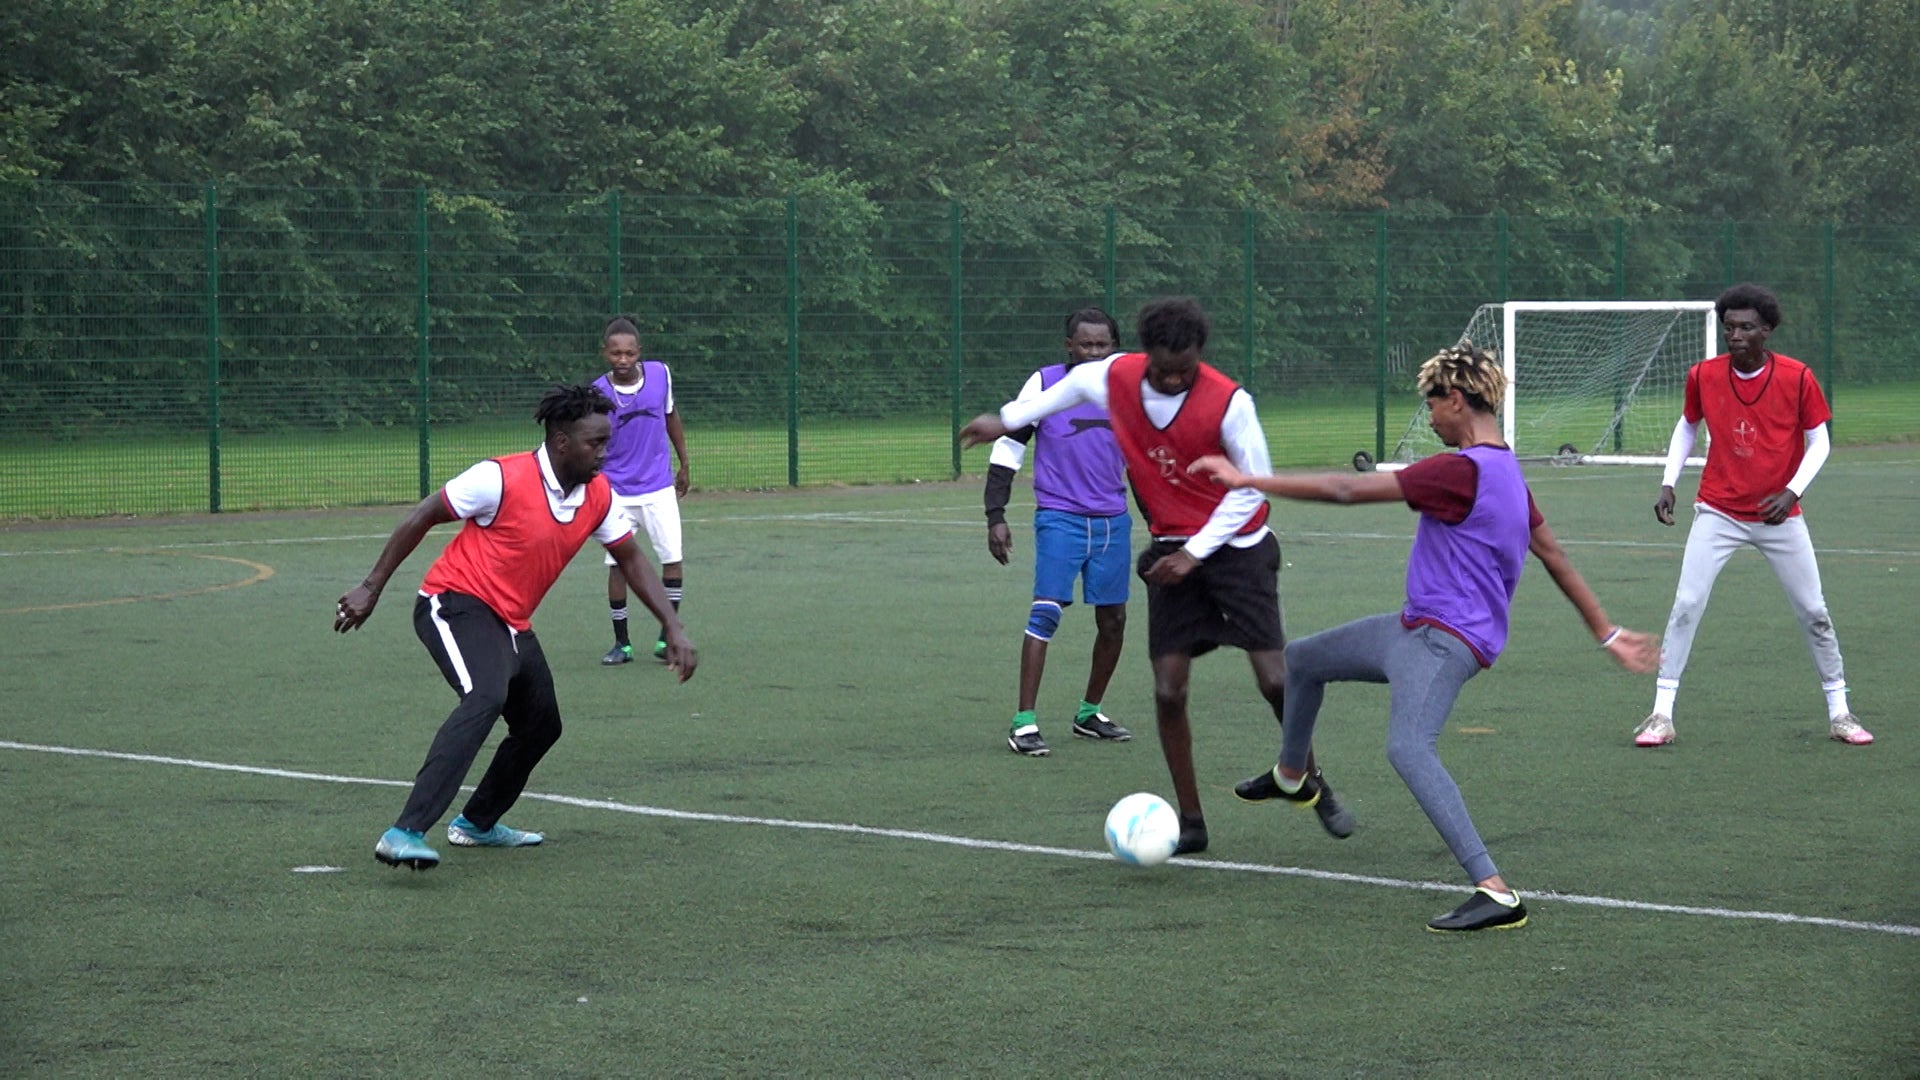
[[818, 858]]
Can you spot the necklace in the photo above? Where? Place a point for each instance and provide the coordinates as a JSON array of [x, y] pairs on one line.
[[1734, 380]]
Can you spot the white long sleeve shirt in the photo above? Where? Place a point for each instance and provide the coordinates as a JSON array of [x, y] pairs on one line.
[[1240, 436]]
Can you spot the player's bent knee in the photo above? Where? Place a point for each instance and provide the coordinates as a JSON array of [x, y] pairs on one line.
[[1411, 758], [1043, 620]]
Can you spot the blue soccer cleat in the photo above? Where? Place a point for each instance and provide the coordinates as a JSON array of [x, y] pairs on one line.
[[402, 847], [462, 833]]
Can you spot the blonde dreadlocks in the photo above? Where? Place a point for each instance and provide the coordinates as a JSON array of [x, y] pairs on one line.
[[1474, 372]]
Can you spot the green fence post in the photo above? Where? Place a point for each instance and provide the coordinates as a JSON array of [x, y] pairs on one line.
[[1247, 246], [1112, 260], [613, 253], [793, 341], [953, 431], [1380, 336], [211, 216], [422, 327], [1826, 329]]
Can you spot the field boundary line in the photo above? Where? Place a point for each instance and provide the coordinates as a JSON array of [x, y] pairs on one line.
[[846, 828]]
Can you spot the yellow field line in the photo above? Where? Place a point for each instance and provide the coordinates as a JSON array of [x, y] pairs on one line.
[[261, 572]]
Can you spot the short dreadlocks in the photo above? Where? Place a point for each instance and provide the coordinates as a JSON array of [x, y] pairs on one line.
[[564, 406], [1474, 372]]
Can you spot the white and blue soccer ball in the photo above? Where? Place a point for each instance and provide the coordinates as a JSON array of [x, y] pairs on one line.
[[1143, 829]]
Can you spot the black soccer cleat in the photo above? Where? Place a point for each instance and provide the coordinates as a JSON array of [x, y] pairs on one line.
[[1193, 836], [1098, 726], [1334, 815], [1481, 912], [619, 654], [1313, 791], [1029, 743]]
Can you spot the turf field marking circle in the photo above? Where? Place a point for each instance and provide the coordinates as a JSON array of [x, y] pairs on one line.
[[261, 572]]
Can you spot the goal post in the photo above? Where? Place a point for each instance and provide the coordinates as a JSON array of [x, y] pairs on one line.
[[1588, 381]]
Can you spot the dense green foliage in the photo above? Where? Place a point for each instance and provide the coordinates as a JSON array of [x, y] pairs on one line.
[[1746, 108], [382, 195]]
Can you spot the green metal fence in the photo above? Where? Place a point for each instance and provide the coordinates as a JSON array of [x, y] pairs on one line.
[[170, 349]]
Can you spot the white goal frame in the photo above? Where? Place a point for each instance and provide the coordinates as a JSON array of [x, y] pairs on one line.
[[1513, 365]]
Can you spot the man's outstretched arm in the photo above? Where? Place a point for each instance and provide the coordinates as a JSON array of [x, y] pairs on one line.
[[357, 605]]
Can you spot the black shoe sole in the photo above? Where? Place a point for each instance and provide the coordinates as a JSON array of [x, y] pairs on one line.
[[1476, 928], [1042, 752], [1480, 912], [411, 864]]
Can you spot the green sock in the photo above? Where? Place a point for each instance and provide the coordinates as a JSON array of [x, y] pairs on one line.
[[1088, 710], [1024, 718]]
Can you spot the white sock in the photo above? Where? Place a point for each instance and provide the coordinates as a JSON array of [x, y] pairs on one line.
[[1286, 785], [1663, 696], [1836, 702], [1505, 899]]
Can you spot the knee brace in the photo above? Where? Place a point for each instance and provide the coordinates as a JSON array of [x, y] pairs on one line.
[[1043, 620]]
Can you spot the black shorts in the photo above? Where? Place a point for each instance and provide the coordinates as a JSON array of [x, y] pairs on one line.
[[1233, 598]]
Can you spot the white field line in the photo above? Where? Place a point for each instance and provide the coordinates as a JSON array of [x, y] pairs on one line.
[[1898, 929]]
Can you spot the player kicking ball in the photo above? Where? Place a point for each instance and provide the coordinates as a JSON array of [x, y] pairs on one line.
[[1769, 425], [1477, 523]]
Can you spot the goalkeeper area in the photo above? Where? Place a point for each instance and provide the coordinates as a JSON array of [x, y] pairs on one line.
[[1588, 382]]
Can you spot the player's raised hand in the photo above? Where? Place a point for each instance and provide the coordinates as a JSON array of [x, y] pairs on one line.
[[1219, 470], [1635, 651], [981, 429], [1663, 507]]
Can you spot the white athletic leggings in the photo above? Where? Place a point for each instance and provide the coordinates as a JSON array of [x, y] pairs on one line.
[[1788, 548]]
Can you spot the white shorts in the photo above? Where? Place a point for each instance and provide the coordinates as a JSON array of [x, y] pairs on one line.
[[658, 515]]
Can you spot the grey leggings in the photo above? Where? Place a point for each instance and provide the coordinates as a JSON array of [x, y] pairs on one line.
[[1424, 668]]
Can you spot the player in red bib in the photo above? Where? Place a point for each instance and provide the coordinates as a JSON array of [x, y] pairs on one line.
[[1212, 567], [526, 516], [1768, 421]]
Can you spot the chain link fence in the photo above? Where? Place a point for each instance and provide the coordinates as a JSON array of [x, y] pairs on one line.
[[177, 349]]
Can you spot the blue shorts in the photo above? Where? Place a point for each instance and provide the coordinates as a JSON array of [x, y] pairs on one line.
[[1067, 546]]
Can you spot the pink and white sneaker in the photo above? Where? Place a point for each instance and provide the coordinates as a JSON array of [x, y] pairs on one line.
[[1848, 730], [1657, 730]]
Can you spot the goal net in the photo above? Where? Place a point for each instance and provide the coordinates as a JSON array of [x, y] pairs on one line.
[[1588, 382]]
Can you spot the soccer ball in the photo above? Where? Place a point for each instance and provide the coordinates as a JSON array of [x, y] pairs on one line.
[[1143, 829]]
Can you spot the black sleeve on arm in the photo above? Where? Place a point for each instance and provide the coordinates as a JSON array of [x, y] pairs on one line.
[[999, 490]]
